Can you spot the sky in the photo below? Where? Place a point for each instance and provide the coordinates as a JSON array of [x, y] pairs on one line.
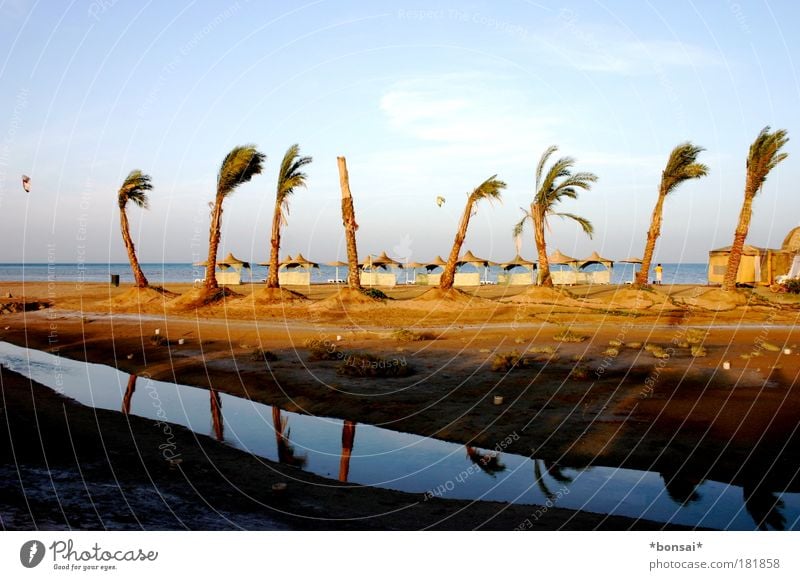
[[424, 99]]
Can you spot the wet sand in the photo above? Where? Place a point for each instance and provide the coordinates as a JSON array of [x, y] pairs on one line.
[[682, 416]]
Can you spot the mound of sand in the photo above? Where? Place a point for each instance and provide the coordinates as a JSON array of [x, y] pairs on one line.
[[714, 299], [139, 296], [633, 299], [201, 297], [266, 296], [346, 297], [545, 295], [453, 295]]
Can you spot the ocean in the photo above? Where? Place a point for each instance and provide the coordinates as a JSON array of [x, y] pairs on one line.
[[167, 273]]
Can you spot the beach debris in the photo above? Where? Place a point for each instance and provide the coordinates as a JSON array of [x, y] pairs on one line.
[[505, 361], [279, 488], [7, 327], [547, 349], [130, 356], [338, 337], [698, 351], [566, 335], [634, 345], [440, 200], [769, 346], [26, 183], [157, 331], [173, 463], [787, 351], [615, 343], [726, 365], [656, 351], [611, 351], [498, 400], [181, 340]]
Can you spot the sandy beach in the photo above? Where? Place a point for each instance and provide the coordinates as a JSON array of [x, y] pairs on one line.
[[601, 376]]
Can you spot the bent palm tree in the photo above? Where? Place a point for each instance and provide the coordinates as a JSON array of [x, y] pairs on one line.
[[549, 192], [239, 166], [289, 178], [764, 156], [134, 188], [489, 189], [682, 166]]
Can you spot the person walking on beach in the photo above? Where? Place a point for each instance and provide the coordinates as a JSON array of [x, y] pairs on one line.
[[659, 273]]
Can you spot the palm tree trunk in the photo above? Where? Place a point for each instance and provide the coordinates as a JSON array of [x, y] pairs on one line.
[[735, 257], [213, 244], [348, 438], [216, 415], [128, 397], [275, 247], [537, 212], [139, 279], [350, 226], [643, 275], [449, 274]]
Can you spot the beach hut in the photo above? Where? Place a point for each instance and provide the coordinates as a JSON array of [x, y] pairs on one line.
[[413, 267], [471, 278], [509, 278], [567, 271], [230, 270], [595, 276], [296, 271], [429, 278], [371, 274], [750, 267]]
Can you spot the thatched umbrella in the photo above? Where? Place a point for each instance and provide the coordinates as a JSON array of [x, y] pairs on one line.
[[300, 261], [381, 261], [558, 258], [437, 262], [596, 258], [413, 267], [231, 261], [518, 261], [337, 264], [634, 261]]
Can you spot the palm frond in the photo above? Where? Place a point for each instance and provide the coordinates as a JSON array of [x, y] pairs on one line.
[[135, 188], [239, 166], [520, 225], [290, 175], [542, 161], [585, 224], [681, 166], [489, 189], [764, 153]]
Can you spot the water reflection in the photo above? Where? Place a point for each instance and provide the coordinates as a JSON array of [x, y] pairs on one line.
[[764, 507], [348, 439], [742, 488], [488, 461], [286, 453], [216, 415], [128, 397], [681, 485]]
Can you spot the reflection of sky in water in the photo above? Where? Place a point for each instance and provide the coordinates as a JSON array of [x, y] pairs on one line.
[[392, 459]]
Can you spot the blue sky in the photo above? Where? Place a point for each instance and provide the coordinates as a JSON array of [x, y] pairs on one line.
[[423, 98]]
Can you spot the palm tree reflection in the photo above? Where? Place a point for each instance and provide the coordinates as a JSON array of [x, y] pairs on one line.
[[681, 486], [764, 507], [128, 397], [488, 461], [552, 469], [286, 452], [216, 415], [348, 439]]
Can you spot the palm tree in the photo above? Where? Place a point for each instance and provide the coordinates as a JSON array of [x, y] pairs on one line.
[[350, 226], [550, 191], [134, 188], [682, 166], [764, 156], [489, 189], [289, 178], [239, 166]]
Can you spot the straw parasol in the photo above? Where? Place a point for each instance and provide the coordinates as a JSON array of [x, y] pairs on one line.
[[381, 261], [596, 258], [558, 258], [300, 261], [437, 262], [518, 261], [337, 264], [634, 261], [413, 267], [229, 261]]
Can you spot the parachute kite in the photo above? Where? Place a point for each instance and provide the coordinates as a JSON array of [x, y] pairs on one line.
[[26, 183], [439, 200]]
